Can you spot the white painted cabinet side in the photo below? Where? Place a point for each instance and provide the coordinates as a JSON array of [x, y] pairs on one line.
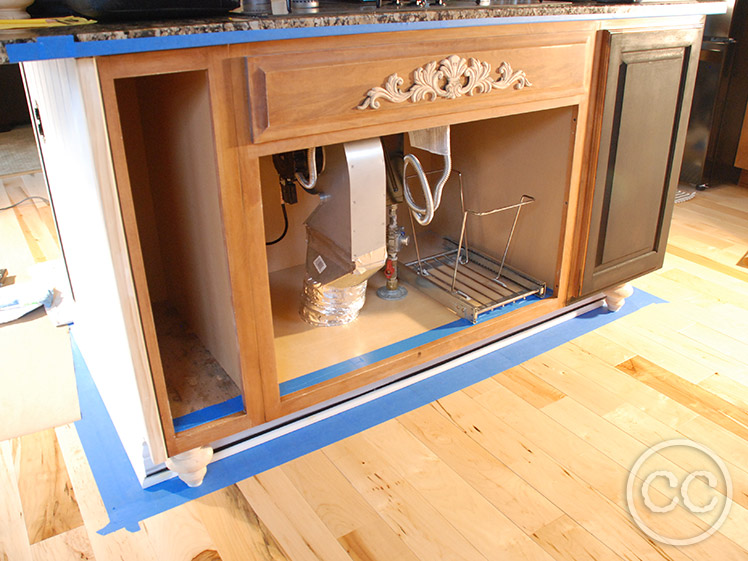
[[79, 172]]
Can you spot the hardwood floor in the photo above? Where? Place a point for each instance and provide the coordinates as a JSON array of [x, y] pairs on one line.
[[529, 464]]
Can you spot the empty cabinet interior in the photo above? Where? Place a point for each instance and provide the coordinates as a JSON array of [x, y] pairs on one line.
[[175, 237]]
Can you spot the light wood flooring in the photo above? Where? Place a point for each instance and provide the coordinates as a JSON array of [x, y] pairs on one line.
[[529, 464]]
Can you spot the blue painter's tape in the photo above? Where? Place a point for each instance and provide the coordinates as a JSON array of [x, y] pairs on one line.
[[308, 380], [210, 413], [127, 502], [66, 47], [45, 48], [51, 47], [236, 405]]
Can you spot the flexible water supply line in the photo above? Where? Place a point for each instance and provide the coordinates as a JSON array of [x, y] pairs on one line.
[[311, 158], [424, 216]]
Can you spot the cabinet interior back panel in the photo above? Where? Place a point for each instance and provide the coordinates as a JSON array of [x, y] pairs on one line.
[[176, 192], [501, 160]]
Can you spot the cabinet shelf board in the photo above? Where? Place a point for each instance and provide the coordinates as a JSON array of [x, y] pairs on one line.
[[310, 355]]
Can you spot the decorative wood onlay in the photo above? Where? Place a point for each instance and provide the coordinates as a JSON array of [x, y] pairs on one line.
[[450, 78]]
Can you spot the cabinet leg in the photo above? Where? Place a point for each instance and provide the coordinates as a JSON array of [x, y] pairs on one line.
[[616, 296], [191, 466]]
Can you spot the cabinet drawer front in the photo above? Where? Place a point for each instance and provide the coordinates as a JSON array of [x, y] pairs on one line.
[[301, 93]]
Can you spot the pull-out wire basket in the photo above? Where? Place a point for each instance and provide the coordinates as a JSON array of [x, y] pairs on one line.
[[466, 281]]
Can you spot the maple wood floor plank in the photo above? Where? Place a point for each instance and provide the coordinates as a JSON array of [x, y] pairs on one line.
[[14, 541], [47, 495], [357, 526], [423, 528], [235, 528], [485, 525], [292, 521], [72, 545], [706, 404]]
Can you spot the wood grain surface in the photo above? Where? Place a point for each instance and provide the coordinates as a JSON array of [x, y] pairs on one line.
[[529, 464]]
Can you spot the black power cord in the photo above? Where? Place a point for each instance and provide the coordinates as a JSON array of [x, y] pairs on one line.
[[289, 165], [285, 227]]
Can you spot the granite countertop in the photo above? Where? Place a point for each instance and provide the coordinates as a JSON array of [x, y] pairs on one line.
[[97, 39]]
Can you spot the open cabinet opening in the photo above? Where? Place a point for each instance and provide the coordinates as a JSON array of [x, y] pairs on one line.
[[181, 269], [510, 174]]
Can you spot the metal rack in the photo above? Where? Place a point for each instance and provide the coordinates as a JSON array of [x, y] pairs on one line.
[[466, 281]]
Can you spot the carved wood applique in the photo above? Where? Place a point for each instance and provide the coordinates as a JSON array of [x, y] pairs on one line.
[[450, 78]]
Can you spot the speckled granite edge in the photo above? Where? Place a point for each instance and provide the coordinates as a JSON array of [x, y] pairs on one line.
[[245, 24]]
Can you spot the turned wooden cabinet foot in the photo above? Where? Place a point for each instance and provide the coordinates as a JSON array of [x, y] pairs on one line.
[[615, 297], [191, 466]]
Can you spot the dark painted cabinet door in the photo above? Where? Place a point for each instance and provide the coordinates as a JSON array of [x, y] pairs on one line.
[[644, 117]]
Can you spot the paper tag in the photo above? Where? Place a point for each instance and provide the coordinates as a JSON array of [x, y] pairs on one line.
[[319, 264]]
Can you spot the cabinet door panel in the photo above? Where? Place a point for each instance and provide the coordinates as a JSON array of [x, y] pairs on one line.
[[640, 157], [647, 98]]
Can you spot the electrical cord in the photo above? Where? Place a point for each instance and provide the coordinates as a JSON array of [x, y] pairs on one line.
[[285, 227], [14, 205]]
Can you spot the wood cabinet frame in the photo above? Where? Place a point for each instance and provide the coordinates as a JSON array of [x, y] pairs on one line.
[[240, 220], [250, 117]]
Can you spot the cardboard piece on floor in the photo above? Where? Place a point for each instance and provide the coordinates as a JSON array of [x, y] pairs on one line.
[[37, 379]]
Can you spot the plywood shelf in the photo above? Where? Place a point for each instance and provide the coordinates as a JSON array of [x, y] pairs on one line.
[[301, 348]]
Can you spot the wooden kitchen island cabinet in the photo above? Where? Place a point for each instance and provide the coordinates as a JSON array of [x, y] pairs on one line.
[[181, 194]]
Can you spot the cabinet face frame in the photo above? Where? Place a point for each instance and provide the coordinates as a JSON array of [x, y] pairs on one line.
[[236, 216], [238, 168], [427, 114], [237, 158], [618, 51], [311, 92]]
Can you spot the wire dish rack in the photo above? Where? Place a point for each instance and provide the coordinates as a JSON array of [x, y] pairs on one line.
[[466, 281]]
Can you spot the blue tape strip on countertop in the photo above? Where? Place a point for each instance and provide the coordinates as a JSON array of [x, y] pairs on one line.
[[65, 46], [127, 503]]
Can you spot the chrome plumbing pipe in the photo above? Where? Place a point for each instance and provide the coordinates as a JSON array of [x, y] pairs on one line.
[[396, 238]]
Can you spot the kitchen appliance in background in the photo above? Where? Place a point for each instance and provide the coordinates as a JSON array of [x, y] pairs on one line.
[[715, 103], [114, 10]]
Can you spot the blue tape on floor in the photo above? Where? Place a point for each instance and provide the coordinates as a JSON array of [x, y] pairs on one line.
[[128, 503]]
